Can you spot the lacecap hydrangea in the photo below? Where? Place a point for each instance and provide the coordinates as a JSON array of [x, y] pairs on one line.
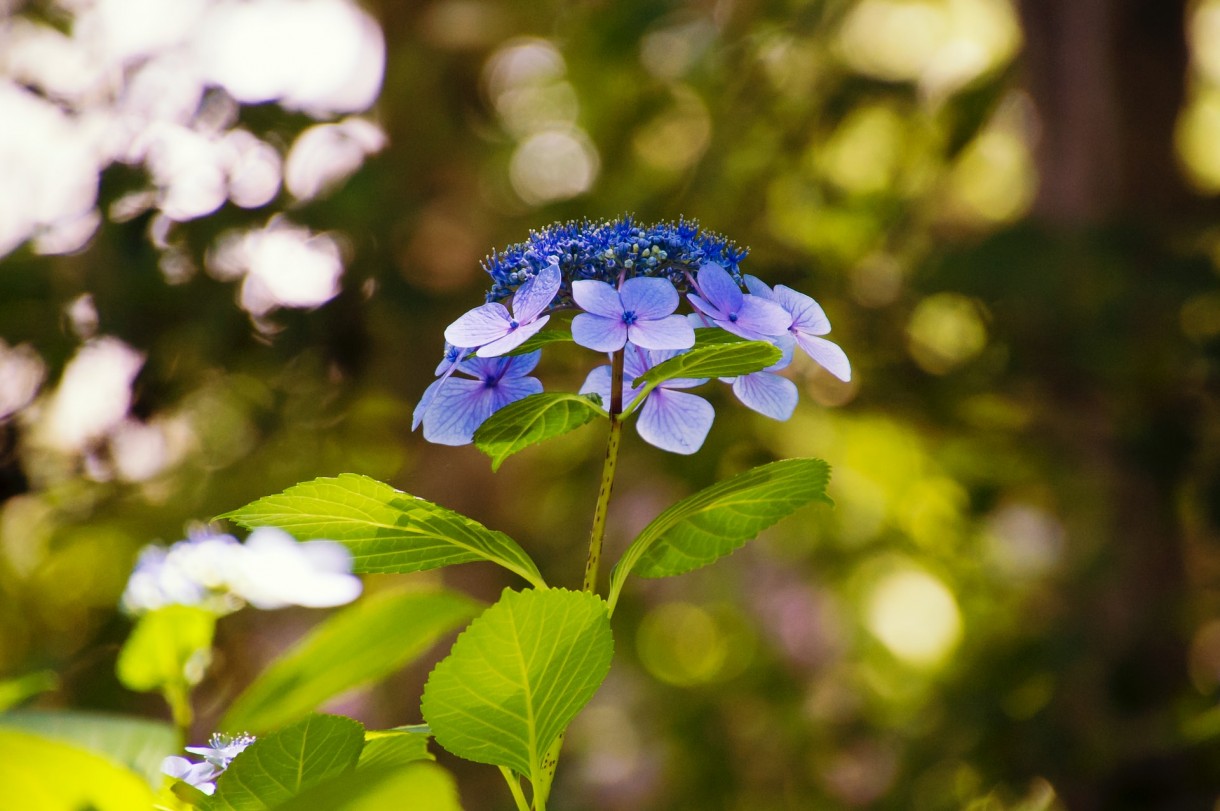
[[625, 283]]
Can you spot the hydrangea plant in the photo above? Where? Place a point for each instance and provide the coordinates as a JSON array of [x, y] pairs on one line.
[[525, 666]]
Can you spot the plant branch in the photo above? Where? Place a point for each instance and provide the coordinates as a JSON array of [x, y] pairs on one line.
[[598, 533]]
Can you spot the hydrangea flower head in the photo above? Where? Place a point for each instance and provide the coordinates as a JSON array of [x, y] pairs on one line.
[[626, 281]]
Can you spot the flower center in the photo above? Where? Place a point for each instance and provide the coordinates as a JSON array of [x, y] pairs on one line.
[[733, 317], [512, 323], [629, 317]]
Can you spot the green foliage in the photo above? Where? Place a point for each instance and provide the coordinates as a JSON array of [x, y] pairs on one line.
[[717, 520], [169, 646], [517, 676], [385, 529], [384, 748], [544, 337], [279, 766], [356, 646], [137, 743], [420, 785], [16, 690], [50, 775], [534, 419], [714, 359]]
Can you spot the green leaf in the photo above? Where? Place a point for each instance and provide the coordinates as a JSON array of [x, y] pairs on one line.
[[50, 775], [714, 360], [386, 530], [517, 676], [354, 647], [542, 338], [279, 766], [393, 747], [422, 785], [168, 646], [534, 419], [137, 743], [715, 521], [706, 336], [16, 690]]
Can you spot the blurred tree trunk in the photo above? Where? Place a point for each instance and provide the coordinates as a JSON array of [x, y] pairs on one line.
[[1108, 77]]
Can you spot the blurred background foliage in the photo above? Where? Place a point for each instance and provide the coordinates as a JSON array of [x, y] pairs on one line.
[[231, 234]]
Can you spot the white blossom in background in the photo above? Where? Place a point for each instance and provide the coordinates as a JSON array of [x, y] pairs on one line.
[[21, 373], [159, 85], [216, 758], [271, 570], [93, 395], [281, 265]]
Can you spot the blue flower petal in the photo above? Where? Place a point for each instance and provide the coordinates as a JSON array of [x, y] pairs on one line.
[[521, 365], [827, 354], [763, 317], [599, 333], [807, 314], [768, 394], [718, 288], [479, 326], [671, 332], [537, 294], [457, 410], [597, 298], [513, 339], [674, 421], [648, 298]]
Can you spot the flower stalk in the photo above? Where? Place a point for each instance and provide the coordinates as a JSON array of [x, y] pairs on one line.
[[598, 534]]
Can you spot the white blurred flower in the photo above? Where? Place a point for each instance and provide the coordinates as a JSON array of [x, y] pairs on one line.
[[276, 571], [271, 570]]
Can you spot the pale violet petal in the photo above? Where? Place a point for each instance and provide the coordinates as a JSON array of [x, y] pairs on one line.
[[671, 332], [756, 286], [675, 421], [762, 316], [768, 394], [649, 298], [521, 365], [807, 315], [707, 309], [513, 339], [277, 571], [479, 326], [599, 333], [457, 411], [597, 298], [425, 401], [828, 354], [718, 288], [512, 389], [598, 382], [537, 294]]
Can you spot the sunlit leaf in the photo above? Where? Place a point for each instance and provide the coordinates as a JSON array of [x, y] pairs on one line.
[[715, 521], [138, 743], [279, 766], [50, 775], [386, 530], [16, 690], [540, 339], [534, 419], [714, 359], [393, 747], [171, 645], [422, 785], [517, 676], [356, 646]]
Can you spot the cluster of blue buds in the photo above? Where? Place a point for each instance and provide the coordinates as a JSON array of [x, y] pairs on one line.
[[626, 281]]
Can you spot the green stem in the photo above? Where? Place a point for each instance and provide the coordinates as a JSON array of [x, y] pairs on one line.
[[598, 533], [178, 695], [514, 785]]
